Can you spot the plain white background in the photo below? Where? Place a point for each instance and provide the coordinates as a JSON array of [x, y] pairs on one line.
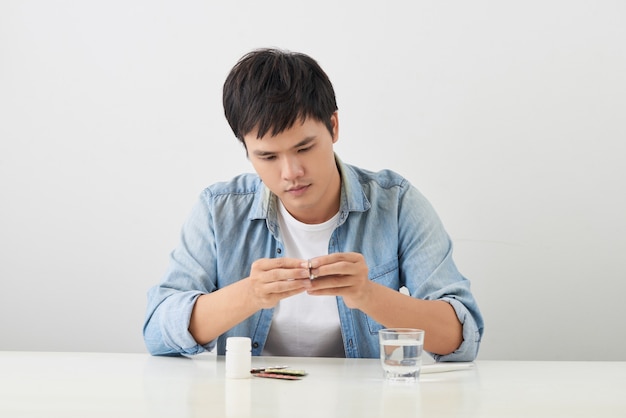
[[508, 116]]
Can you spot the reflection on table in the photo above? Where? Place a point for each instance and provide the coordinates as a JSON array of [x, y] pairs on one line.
[[138, 385]]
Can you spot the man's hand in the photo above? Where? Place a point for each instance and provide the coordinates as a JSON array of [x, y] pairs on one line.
[[342, 274], [273, 279]]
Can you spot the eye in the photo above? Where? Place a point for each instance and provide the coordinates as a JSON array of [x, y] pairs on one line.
[[305, 149], [268, 158]]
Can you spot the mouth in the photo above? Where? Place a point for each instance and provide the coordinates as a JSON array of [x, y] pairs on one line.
[[298, 190]]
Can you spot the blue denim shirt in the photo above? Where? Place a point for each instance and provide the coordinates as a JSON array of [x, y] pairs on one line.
[[382, 216]]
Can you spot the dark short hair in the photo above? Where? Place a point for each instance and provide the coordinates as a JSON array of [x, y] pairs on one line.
[[269, 89]]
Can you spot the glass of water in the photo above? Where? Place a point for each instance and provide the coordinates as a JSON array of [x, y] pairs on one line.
[[401, 353]]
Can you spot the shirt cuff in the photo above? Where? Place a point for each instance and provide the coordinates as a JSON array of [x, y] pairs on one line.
[[175, 328]]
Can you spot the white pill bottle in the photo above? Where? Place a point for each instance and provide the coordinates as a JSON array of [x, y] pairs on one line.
[[238, 357]]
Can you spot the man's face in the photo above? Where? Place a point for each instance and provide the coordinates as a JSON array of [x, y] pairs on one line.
[[298, 165]]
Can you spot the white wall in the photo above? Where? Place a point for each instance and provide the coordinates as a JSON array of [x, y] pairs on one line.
[[509, 116]]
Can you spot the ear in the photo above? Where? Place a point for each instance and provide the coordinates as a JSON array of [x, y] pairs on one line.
[[334, 123]]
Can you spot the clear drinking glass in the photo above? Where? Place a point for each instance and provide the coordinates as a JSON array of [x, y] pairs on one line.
[[401, 353]]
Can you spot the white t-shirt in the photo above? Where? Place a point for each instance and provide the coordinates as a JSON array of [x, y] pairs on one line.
[[304, 325]]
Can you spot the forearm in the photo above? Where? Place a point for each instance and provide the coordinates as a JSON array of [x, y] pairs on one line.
[[217, 312], [444, 332]]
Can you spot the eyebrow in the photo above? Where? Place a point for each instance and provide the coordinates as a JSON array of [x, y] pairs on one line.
[[305, 141]]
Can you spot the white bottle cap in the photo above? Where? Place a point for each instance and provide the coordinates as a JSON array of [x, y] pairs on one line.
[[238, 344]]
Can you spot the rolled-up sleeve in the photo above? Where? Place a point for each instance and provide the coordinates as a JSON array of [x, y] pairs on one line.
[[166, 329], [468, 350]]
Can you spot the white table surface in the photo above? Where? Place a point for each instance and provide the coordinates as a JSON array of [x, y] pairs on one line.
[[34, 384]]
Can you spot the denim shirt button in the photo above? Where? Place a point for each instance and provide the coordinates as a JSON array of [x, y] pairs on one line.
[[278, 250]]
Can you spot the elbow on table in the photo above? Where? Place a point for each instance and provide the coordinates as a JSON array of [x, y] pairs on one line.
[[467, 351]]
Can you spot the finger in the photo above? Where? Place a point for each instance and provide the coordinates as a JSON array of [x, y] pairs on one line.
[[282, 286], [329, 291], [271, 270], [267, 264], [279, 275], [332, 282], [336, 258], [339, 269]]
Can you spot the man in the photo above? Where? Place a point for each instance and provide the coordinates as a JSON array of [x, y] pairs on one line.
[[308, 256]]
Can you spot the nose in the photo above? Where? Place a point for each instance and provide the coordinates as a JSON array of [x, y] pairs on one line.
[[292, 168]]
